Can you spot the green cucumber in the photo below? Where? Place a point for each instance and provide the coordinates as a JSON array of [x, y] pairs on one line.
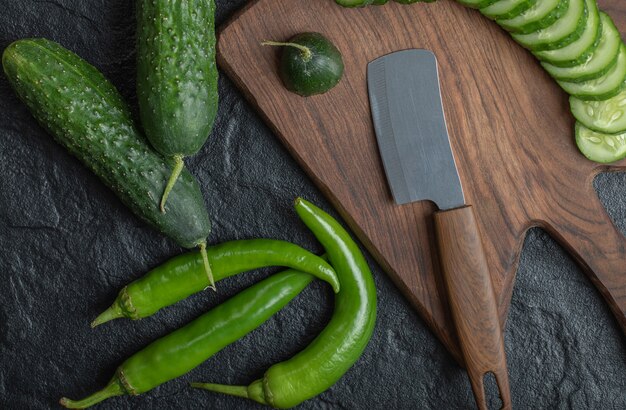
[[86, 114], [412, 1], [601, 61], [476, 4], [602, 88], [176, 77], [543, 14], [599, 147], [579, 51], [310, 64], [562, 32], [354, 3], [507, 9], [607, 116]]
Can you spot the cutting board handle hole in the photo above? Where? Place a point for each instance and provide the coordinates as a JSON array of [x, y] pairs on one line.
[[492, 391]]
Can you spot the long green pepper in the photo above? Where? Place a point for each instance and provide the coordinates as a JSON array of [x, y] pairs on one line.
[[186, 348], [184, 275], [340, 344]]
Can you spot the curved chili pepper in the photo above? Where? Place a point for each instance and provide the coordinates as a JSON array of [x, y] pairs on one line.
[[184, 349], [340, 344], [184, 275]]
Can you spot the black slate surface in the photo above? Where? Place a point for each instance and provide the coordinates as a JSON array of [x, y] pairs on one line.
[[68, 245]]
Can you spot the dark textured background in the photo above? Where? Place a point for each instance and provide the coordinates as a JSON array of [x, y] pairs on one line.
[[68, 245]]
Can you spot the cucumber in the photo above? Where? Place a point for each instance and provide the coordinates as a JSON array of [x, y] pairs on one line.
[[605, 87], [354, 3], [599, 147], [411, 1], [476, 4], [562, 32], [86, 114], [310, 64], [579, 51], [176, 77], [607, 116], [541, 15], [507, 9], [601, 61]]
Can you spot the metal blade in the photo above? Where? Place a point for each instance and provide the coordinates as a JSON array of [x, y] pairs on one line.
[[410, 126]]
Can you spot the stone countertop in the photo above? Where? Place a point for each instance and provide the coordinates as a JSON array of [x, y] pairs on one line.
[[68, 246]]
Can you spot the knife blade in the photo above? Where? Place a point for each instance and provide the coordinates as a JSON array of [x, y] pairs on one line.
[[411, 131], [411, 128]]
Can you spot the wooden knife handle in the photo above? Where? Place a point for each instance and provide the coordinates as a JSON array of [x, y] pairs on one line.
[[472, 301]]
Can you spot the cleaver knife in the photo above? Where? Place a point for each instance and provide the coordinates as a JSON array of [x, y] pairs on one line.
[[410, 126]]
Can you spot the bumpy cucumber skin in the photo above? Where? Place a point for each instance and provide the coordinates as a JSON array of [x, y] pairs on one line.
[[85, 113], [176, 73]]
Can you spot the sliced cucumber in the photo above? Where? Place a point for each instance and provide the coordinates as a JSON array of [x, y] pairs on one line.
[[580, 50], [599, 62], [562, 32], [507, 9], [603, 88], [541, 15], [476, 4], [607, 116], [599, 147]]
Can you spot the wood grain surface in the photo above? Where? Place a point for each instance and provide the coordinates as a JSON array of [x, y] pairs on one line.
[[472, 301], [510, 129]]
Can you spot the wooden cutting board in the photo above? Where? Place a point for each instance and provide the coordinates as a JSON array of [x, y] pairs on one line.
[[510, 129]]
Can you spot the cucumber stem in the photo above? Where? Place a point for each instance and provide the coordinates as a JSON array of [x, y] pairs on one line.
[[306, 51], [179, 164], [112, 389], [113, 312], [207, 265]]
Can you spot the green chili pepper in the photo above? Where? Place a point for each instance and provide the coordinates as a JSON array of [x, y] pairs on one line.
[[182, 350], [184, 275], [340, 344]]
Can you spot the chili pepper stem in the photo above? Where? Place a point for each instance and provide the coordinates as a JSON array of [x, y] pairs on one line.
[[113, 312], [207, 265], [114, 388], [306, 51], [179, 164], [253, 392], [238, 391]]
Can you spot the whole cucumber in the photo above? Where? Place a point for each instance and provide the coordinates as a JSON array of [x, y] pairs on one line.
[[86, 114], [176, 76]]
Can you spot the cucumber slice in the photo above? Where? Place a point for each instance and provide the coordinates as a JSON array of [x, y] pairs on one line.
[[562, 32], [607, 116], [541, 15], [599, 63], [476, 4], [603, 88], [599, 147], [507, 9], [579, 51]]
